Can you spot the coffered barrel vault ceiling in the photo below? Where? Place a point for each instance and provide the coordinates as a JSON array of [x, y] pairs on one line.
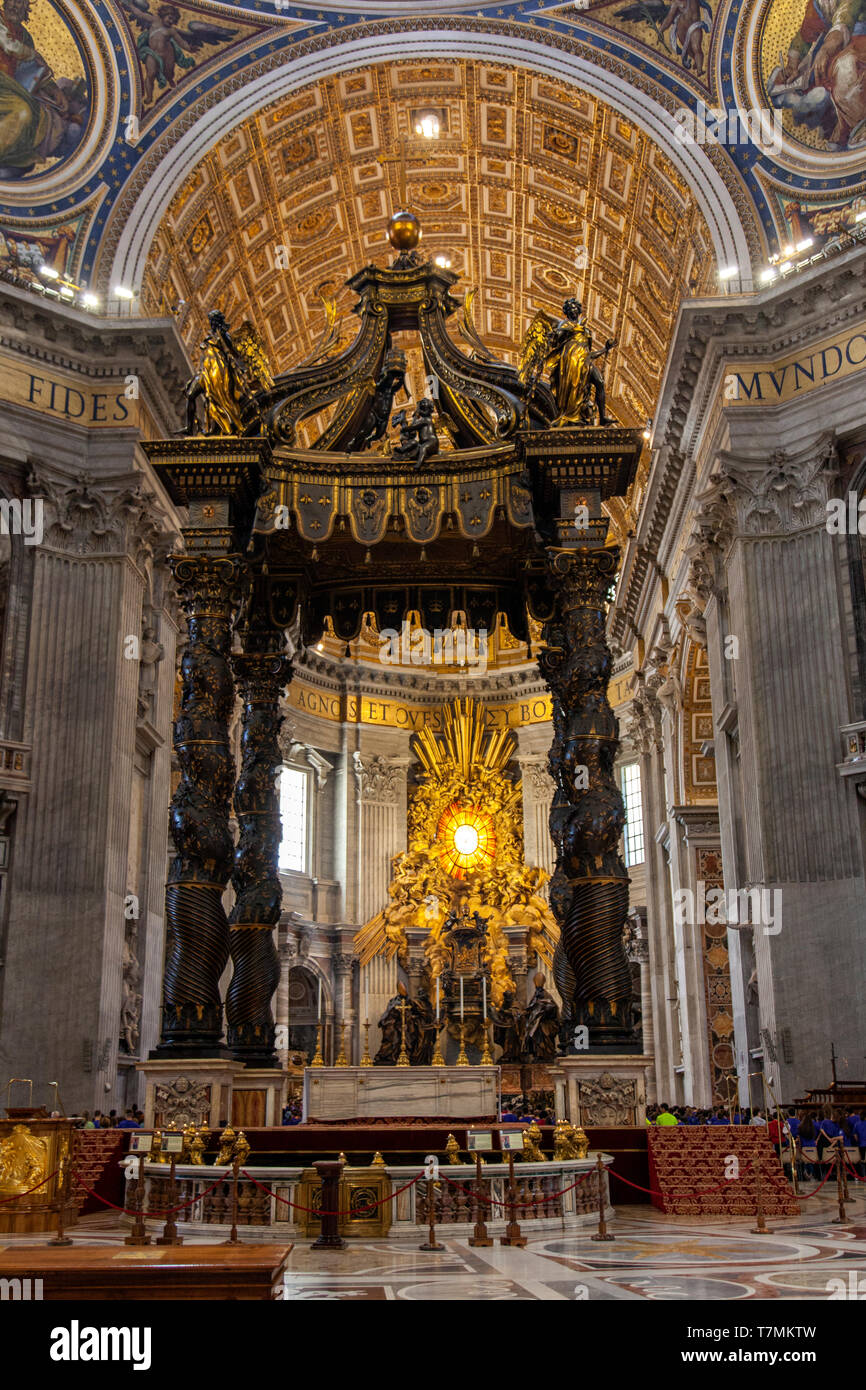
[[528, 179]]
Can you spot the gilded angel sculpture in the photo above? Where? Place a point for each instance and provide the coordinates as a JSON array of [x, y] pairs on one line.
[[564, 348], [231, 371]]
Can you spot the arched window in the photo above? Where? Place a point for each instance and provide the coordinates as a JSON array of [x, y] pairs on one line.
[[633, 848], [295, 817]]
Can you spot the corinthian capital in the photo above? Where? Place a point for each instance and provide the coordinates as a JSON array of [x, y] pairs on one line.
[[783, 494], [377, 779]]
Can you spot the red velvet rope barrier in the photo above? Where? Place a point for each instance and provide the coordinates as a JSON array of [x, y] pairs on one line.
[[360, 1211], [538, 1201], [804, 1196], [850, 1168], [18, 1195], [151, 1211]]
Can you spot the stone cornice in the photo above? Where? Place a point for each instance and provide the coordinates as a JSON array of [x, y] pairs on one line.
[[95, 348], [800, 310]]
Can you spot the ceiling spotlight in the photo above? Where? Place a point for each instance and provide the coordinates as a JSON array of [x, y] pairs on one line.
[[121, 292], [320, 646], [804, 245], [786, 252], [648, 430], [786, 265], [728, 272], [49, 273], [90, 300], [442, 261], [768, 275], [428, 126], [66, 292]]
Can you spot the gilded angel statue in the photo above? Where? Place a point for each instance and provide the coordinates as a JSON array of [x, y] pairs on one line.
[[564, 348], [231, 371]]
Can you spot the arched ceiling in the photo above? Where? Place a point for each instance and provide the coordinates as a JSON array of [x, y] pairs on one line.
[[533, 191]]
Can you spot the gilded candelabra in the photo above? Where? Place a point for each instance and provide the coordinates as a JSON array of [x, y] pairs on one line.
[[486, 1055], [318, 1059], [341, 1060], [438, 1060], [462, 1059], [366, 1060]]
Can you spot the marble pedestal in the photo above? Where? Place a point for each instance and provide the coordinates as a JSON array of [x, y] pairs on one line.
[[451, 1093], [602, 1091], [218, 1091]]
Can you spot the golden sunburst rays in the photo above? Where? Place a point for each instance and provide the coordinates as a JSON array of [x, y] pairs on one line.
[[468, 840], [466, 743]]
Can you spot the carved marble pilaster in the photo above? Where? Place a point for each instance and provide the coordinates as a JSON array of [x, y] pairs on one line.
[[197, 947], [261, 676], [589, 890]]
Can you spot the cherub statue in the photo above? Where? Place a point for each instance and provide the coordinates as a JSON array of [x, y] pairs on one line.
[[564, 346], [418, 437], [391, 381]]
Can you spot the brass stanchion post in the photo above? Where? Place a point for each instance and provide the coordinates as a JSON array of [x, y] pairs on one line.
[[431, 1243], [513, 1234], [602, 1233], [63, 1195], [841, 1219], [169, 1231], [138, 1235], [761, 1229], [479, 1230], [236, 1170]]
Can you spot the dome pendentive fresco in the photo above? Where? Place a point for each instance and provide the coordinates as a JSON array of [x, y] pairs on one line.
[[114, 107]]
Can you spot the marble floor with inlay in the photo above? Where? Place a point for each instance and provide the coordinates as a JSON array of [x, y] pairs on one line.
[[652, 1257]]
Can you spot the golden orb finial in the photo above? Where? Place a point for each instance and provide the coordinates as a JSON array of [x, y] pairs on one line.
[[404, 231]]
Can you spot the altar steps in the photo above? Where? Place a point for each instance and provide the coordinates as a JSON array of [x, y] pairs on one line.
[[691, 1170]]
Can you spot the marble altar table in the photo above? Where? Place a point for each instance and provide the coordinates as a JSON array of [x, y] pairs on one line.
[[348, 1093]]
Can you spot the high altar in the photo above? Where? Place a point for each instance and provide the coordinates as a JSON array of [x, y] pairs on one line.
[[304, 512]]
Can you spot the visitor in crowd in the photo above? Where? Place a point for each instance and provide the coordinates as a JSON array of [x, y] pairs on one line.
[[508, 1116], [86, 1122], [665, 1117], [757, 1118], [828, 1132], [859, 1127], [129, 1121]]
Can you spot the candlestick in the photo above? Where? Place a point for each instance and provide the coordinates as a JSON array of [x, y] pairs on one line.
[[366, 1060], [437, 998], [438, 1059], [320, 999], [484, 998], [403, 1059], [462, 1059], [461, 998], [486, 1056], [318, 1059], [341, 1056]]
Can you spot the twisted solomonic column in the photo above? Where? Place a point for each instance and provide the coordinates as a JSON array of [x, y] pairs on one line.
[[197, 944], [589, 888], [261, 677]]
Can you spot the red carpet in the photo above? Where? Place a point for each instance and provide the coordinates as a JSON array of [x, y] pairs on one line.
[[685, 1160]]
